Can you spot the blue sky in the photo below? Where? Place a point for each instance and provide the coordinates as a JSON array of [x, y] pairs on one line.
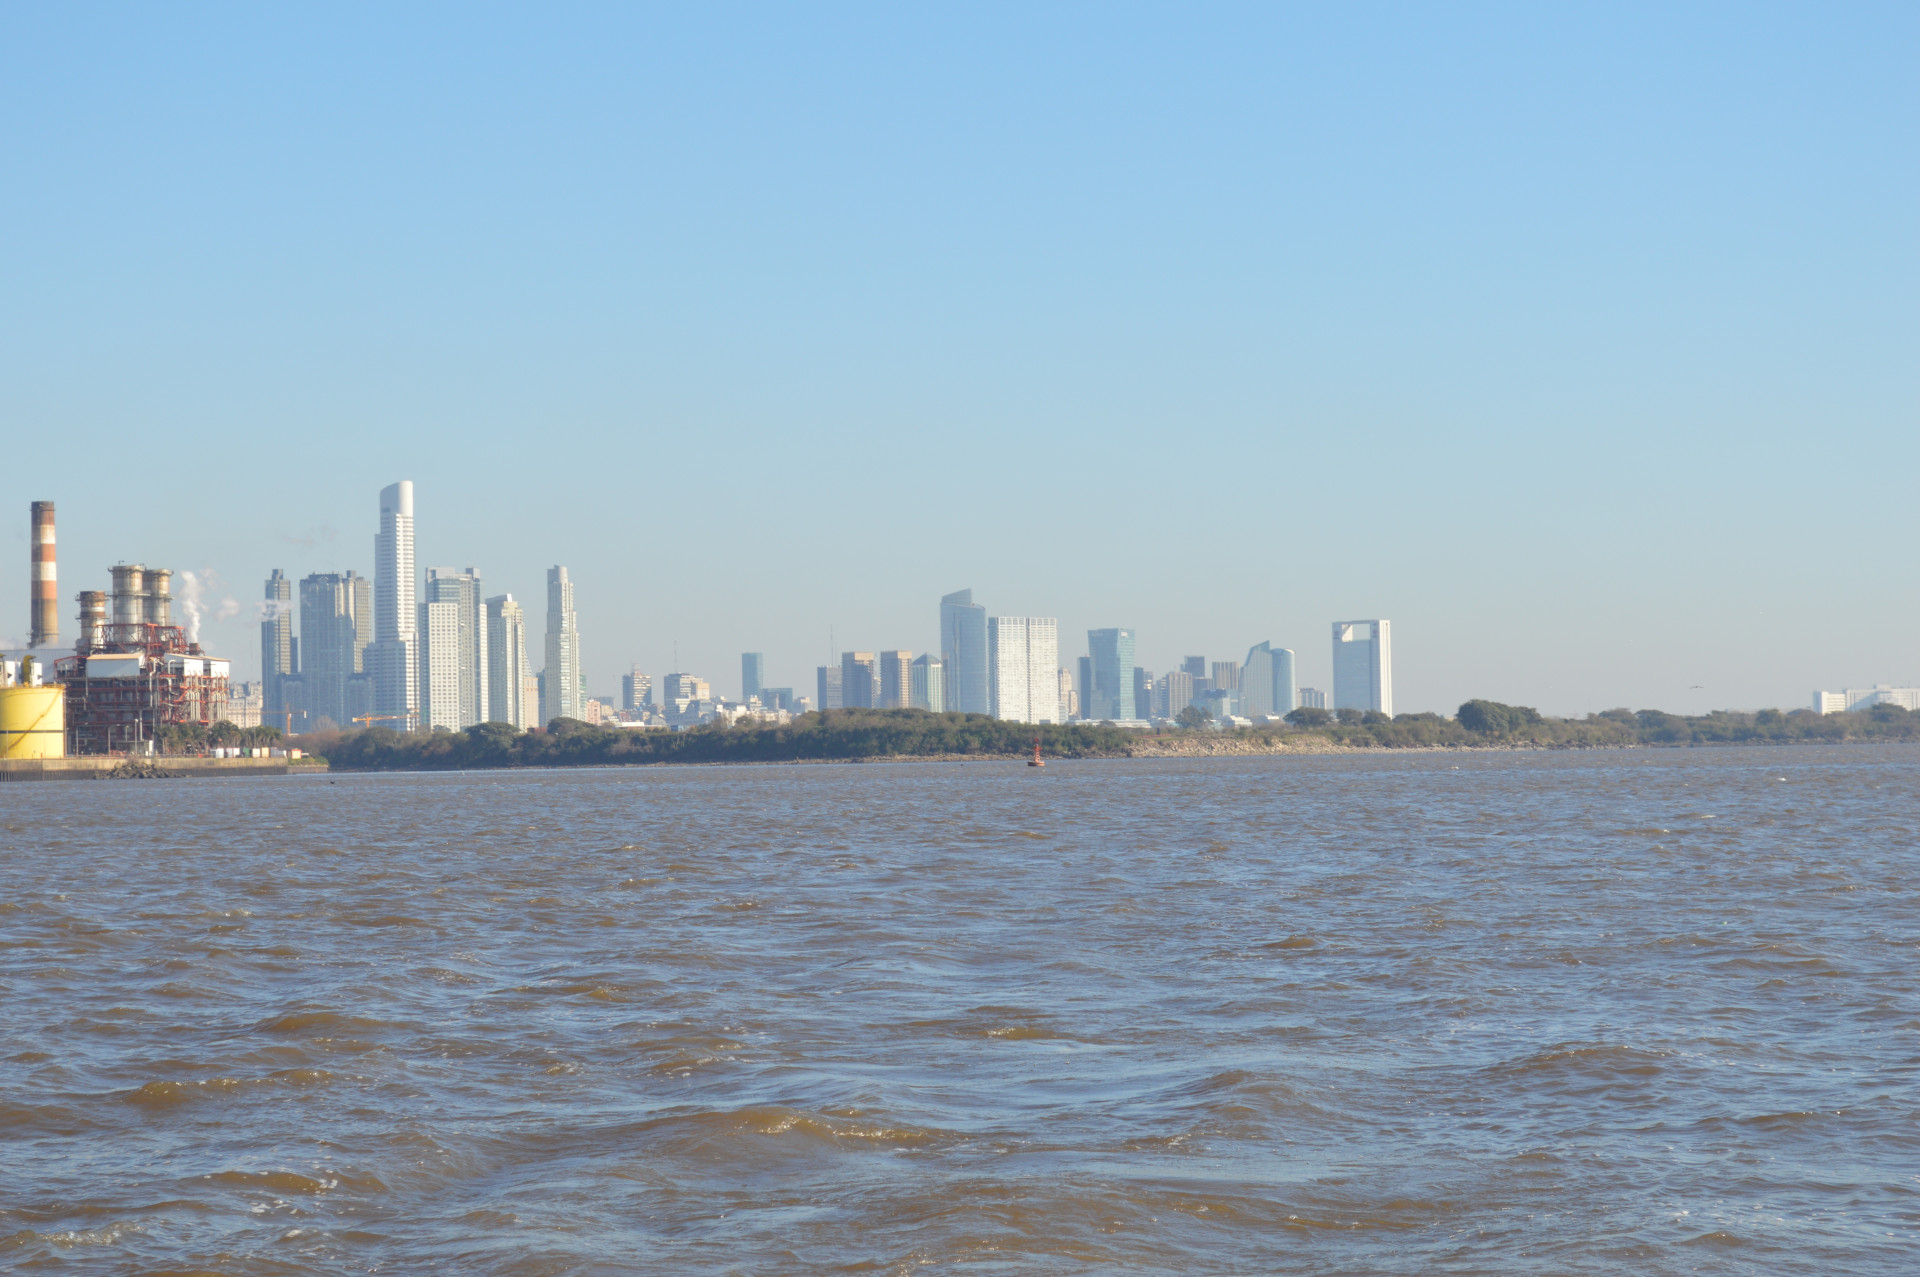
[[1578, 341]]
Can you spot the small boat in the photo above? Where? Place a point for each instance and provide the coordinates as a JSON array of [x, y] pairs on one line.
[[1035, 760]]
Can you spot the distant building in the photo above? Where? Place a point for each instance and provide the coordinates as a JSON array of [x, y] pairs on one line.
[[1312, 698], [509, 667], [753, 673], [1111, 693], [1069, 699], [1173, 692], [1363, 665], [678, 688], [829, 687], [1142, 693], [334, 620], [1859, 698], [1023, 668], [1226, 676], [276, 641], [896, 679], [777, 698], [393, 657], [1083, 682], [928, 685], [463, 590], [1194, 665], [963, 651], [1266, 681], [859, 680], [636, 691], [563, 693], [438, 634], [244, 703]]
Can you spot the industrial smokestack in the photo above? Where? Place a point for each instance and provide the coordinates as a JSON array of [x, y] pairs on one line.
[[93, 618], [43, 607], [159, 597], [129, 593]]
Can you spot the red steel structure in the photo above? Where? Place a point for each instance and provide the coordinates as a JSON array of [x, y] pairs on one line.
[[125, 681]]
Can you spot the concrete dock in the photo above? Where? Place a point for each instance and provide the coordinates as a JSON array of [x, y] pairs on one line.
[[158, 766]]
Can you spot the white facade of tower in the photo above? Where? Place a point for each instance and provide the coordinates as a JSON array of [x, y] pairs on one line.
[[509, 672], [440, 673], [565, 696], [1023, 668], [393, 656], [1363, 665], [444, 585]]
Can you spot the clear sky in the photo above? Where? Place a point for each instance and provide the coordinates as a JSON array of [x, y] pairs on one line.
[[1578, 341]]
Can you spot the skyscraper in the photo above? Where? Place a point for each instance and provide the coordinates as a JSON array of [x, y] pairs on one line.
[[1195, 665], [335, 626], [1083, 683], [438, 636], [1267, 681], [563, 690], [1069, 699], [462, 589], [1173, 693], [896, 679], [1226, 676], [753, 675], [963, 650], [1142, 692], [276, 644], [859, 680], [1363, 665], [1111, 692], [1023, 668], [509, 671], [391, 660], [929, 690], [828, 677], [636, 690]]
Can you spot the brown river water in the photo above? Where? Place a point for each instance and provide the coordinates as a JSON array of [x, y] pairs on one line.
[[1646, 1011]]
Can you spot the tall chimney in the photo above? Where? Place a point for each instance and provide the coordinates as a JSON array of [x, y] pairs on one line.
[[44, 604]]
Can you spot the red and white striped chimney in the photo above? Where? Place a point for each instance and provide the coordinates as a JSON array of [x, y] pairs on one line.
[[44, 605]]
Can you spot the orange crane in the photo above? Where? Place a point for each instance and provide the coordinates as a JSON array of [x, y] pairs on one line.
[[376, 718]]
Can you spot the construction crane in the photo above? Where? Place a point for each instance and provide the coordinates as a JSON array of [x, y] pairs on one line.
[[377, 718]]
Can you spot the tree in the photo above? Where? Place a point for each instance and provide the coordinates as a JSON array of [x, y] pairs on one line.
[[1193, 718], [1351, 716], [1491, 718], [1309, 716]]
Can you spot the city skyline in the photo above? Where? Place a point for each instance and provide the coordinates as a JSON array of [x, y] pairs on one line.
[[1532, 327]]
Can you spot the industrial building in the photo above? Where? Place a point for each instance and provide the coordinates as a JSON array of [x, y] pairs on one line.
[[133, 670]]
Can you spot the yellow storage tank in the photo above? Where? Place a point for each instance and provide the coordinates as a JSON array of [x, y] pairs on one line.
[[33, 722]]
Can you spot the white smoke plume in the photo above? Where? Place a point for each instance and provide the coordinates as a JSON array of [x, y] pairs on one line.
[[229, 608], [188, 597], [274, 609]]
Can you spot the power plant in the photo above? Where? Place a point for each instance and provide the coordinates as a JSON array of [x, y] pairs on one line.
[[133, 672]]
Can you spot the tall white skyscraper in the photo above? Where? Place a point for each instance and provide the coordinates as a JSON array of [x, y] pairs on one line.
[[509, 672], [1023, 668], [565, 696], [1363, 666], [1267, 683], [463, 590], [392, 657]]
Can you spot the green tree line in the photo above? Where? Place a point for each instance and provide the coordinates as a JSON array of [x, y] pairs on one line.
[[854, 734]]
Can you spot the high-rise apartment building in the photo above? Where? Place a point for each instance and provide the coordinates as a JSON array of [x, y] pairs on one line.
[[963, 650], [1312, 698], [1069, 699], [276, 643], [1111, 692], [1142, 692], [636, 691], [564, 689], [859, 680], [463, 590], [335, 625], [1363, 665], [438, 637], [509, 668], [928, 686], [896, 679], [828, 677], [1225, 676], [1267, 681], [753, 675], [1023, 668], [392, 659], [1173, 692]]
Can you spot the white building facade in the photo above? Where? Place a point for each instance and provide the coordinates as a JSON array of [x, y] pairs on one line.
[[1363, 665], [564, 688], [393, 655], [509, 671], [1023, 668]]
